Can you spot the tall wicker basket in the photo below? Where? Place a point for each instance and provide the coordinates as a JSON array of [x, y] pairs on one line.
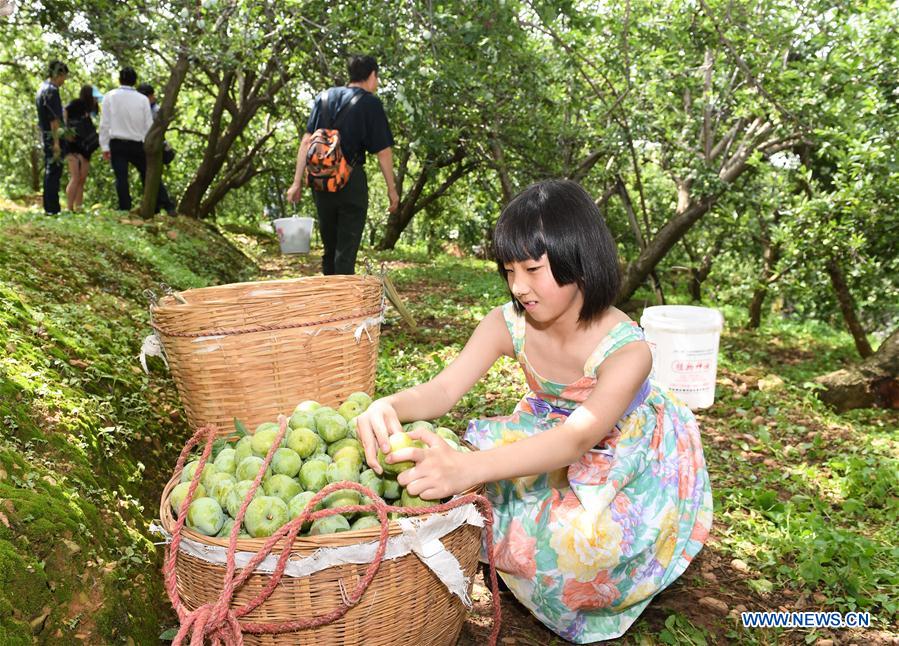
[[404, 604], [253, 350]]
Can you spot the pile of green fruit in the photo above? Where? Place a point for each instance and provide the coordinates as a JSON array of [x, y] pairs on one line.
[[319, 448]]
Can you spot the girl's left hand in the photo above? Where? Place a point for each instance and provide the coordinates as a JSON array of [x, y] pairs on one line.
[[439, 469]]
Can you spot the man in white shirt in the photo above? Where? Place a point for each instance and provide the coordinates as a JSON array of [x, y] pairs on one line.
[[124, 122]]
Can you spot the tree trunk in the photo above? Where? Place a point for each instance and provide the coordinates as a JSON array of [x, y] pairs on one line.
[[156, 135], [847, 307], [770, 258], [873, 382]]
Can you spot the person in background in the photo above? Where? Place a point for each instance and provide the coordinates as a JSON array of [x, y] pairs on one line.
[[50, 121], [168, 153], [124, 123], [79, 115]]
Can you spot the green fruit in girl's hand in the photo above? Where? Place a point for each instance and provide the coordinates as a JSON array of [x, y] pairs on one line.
[[391, 488], [237, 495], [447, 434], [366, 522], [398, 441], [312, 475], [363, 399], [304, 441], [331, 428], [329, 525], [243, 449], [282, 486], [345, 442], [264, 437], [224, 461], [286, 462], [342, 470], [179, 493], [206, 516], [370, 479], [307, 406], [302, 419], [342, 498], [249, 467], [408, 500], [349, 409], [265, 516]]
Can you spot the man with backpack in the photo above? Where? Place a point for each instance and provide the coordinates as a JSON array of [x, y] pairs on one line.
[[345, 123]]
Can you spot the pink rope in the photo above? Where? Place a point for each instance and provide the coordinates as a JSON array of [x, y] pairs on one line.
[[219, 621]]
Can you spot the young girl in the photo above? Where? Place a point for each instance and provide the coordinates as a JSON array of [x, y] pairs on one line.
[[599, 487]]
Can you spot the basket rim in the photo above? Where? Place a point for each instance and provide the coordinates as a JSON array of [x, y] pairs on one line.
[[170, 301]]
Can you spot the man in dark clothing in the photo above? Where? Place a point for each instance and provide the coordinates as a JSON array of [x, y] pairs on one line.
[[363, 128], [50, 120]]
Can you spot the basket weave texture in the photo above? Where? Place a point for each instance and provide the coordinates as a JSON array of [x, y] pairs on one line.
[[404, 604], [253, 350]]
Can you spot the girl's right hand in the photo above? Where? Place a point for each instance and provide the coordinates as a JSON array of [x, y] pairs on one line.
[[373, 427]]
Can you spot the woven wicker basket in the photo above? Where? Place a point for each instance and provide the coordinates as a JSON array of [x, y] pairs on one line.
[[254, 350], [404, 604]]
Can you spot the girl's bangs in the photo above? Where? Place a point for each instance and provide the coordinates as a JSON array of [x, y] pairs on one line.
[[518, 237]]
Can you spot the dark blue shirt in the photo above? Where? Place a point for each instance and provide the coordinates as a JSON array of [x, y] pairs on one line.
[[49, 105], [363, 129]]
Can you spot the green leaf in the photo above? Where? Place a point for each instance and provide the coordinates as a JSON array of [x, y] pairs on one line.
[[241, 429], [168, 635]]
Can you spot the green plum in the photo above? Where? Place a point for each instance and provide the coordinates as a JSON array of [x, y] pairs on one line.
[[222, 483], [307, 406], [331, 428], [243, 449], [408, 500], [298, 504], [187, 474], [265, 515], [249, 467], [363, 399], [342, 498], [313, 475], [329, 525], [302, 419], [205, 515], [391, 488], [286, 462], [179, 493], [370, 479], [282, 486], [349, 409], [237, 495], [342, 471], [345, 442], [224, 461], [366, 522], [398, 441], [447, 434], [304, 441], [264, 437]]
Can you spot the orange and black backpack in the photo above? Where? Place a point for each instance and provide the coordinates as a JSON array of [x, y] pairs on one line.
[[326, 167]]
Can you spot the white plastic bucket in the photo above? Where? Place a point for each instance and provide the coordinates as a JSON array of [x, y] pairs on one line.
[[684, 341], [294, 234]]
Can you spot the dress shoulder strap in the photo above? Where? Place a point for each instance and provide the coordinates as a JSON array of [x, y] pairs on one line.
[[619, 336], [515, 323]]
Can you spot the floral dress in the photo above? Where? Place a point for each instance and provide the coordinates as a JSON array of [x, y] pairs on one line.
[[587, 547]]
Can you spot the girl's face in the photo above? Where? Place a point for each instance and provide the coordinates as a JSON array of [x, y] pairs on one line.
[[533, 284]]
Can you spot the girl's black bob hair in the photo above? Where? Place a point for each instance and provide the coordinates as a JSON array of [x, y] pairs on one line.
[[558, 218]]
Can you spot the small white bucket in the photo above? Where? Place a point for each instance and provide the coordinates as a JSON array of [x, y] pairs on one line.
[[684, 342], [294, 234]]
